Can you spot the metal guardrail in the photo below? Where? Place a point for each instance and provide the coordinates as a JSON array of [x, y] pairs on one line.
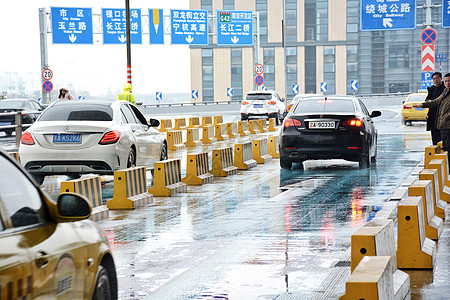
[[18, 126]]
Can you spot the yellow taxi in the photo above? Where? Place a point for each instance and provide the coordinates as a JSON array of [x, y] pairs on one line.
[[410, 113], [49, 249]]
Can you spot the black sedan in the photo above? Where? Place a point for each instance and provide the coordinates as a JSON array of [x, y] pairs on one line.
[[29, 109], [329, 127]]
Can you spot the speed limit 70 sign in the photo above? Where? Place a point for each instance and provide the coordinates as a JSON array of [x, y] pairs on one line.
[[259, 69], [47, 74]]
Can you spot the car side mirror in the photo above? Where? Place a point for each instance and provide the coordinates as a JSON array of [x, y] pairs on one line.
[[153, 122], [403, 102], [72, 207], [375, 113]]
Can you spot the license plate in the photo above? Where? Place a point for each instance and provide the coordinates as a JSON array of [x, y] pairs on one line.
[[257, 105], [321, 125], [5, 123], [67, 138], [420, 108]]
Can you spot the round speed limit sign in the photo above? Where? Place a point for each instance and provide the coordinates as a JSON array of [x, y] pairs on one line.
[[47, 74], [259, 69]]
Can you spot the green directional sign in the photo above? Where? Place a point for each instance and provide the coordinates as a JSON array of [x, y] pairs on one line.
[[225, 17]]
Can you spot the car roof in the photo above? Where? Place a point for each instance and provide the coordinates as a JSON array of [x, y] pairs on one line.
[[84, 102], [337, 97], [261, 92], [16, 99]]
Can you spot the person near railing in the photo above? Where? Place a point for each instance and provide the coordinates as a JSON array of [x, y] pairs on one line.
[[64, 94]]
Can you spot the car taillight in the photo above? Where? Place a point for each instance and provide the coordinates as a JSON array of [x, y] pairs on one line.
[[27, 138], [110, 137], [288, 122], [272, 102], [356, 122], [407, 106], [245, 102]]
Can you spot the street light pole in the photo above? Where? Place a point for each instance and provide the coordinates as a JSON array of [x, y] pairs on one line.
[[127, 15]]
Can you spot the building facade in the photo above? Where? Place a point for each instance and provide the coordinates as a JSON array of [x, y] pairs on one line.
[[323, 44]]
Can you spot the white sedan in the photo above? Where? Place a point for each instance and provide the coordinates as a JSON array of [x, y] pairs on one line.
[[82, 137]]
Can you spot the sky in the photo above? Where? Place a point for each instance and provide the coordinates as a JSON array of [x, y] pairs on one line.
[[97, 68]]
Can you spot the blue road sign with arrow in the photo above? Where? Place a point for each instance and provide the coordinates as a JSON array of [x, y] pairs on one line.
[[72, 25], [234, 27], [194, 94], [323, 87], [156, 22], [158, 96], [189, 27], [354, 85], [295, 88], [388, 15], [230, 92], [115, 26]]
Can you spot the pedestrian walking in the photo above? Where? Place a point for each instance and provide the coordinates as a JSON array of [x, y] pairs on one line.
[[434, 91], [126, 94], [64, 94]]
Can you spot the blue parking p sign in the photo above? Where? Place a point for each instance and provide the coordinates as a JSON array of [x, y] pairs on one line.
[[427, 80], [72, 25]]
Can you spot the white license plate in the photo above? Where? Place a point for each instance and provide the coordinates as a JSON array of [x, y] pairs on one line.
[[420, 108], [67, 138], [321, 125], [257, 105], [5, 123]]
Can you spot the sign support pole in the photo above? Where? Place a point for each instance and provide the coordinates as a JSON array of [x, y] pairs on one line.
[[44, 51], [127, 14], [257, 48]]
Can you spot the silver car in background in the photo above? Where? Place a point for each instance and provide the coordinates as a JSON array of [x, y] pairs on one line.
[[82, 137]]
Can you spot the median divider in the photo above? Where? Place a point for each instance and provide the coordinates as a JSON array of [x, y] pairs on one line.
[[207, 121], [433, 224], [91, 188], [194, 122], [274, 146], [197, 169], [165, 125], [253, 127], [175, 140], [167, 178], [439, 205], [262, 125], [208, 134], [222, 162], [221, 132], [180, 124], [272, 123], [243, 156], [232, 129], [218, 120], [130, 189], [414, 249], [193, 137], [435, 152], [438, 164], [243, 128], [260, 150]]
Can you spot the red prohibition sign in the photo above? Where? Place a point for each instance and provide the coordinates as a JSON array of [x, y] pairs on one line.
[[259, 80], [428, 36], [47, 86]]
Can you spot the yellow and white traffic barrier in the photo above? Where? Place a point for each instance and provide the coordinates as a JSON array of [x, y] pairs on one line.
[[194, 122], [167, 178], [414, 249], [218, 120], [439, 205], [207, 121], [435, 152], [193, 137], [208, 134], [441, 145], [438, 164], [222, 162], [372, 279], [430, 152], [262, 125], [260, 150], [243, 128], [272, 123], [165, 125], [253, 127], [175, 140], [197, 169], [243, 156], [180, 124], [91, 188], [15, 155], [433, 224], [274, 146], [232, 129], [130, 189], [220, 131], [377, 238]]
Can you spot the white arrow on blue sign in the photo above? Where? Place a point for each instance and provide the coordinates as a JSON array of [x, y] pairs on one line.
[[295, 88], [230, 92], [395, 15], [114, 26], [189, 27], [158, 96], [156, 22], [72, 25], [323, 87], [234, 27], [354, 85], [194, 94], [264, 88]]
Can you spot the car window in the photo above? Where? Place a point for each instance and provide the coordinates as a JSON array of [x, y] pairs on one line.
[[128, 115], [87, 112], [363, 107], [138, 114], [259, 96], [321, 105], [416, 98], [277, 96], [19, 197], [35, 106], [11, 104]]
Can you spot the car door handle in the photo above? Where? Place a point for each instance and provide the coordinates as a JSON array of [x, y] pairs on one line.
[[41, 259]]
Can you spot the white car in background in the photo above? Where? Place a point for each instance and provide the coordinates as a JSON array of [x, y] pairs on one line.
[[299, 97], [263, 104], [82, 137]]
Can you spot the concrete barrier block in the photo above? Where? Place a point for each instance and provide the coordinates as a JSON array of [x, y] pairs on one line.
[[399, 193], [253, 127], [180, 124], [175, 140], [430, 152], [207, 121], [408, 181], [218, 120], [197, 169], [243, 128], [193, 137], [165, 125], [243, 156], [433, 224], [208, 134], [439, 205], [167, 179], [222, 162], [274, 146], [262, 125], [414, 249], [260, 150], [272, 124], [194, 122], [438, 164], [232, 129], [220, 132]]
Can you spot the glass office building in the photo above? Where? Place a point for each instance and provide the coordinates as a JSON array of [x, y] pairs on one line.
[[323, 44]]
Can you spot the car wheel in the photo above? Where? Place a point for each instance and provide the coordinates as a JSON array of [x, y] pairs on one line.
[[38, 178], [373, 159], [403, 122], [244, 117], [364, 161], [102, 289], [408, 123], [163, 152], [285, 163], [131, 161]]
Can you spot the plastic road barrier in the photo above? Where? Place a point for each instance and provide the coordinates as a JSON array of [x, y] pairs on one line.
[[207, 121], [197, 169], [438, 164], [221, 132], [272, 123], [218, 120], [243, 156], [208, 134], [222, 162], [253, 127], [260, 150], [165, 125], [274, 146], [180, 124], [232, 129], [193, 137], [439, 205], [130, 189], [194, 122], [167, 179], [262, 125], [175, 140], [414, 249], [243, 129]]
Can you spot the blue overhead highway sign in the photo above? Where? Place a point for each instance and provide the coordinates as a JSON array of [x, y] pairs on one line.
[[114, 26], [72, 25], [189, 27], [234, 27], [156, 22], [445, 14], [388, 15]]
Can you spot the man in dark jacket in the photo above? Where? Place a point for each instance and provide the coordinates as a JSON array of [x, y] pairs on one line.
[[434, 91]]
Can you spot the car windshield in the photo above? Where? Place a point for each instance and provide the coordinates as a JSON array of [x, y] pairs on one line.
[[259, 96], [320, 105], [417, 98], [12, 104], [87, 112]]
